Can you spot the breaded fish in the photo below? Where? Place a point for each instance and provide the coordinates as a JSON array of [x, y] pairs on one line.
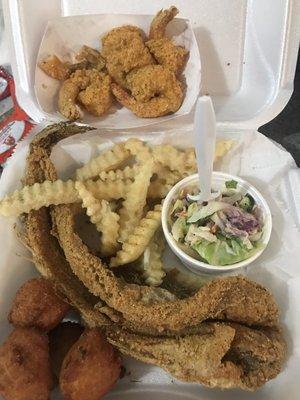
[[229, 356]]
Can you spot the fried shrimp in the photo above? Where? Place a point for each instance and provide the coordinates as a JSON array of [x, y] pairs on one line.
[[160, 22], [124, 49], [92, 56], [155, 91], [68, 94], [55, 68], [91, 88], [168, 54], [97, 97]]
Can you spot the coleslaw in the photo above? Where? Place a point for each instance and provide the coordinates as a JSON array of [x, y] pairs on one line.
[[222, 231]]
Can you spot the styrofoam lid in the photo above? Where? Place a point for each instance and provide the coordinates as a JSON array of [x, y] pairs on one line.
[[248, 50]]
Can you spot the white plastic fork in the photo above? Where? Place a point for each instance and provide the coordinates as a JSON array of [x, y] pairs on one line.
[[205, 141]]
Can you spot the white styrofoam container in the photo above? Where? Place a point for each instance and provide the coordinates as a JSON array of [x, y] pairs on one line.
[[248, 48], [248, 53]]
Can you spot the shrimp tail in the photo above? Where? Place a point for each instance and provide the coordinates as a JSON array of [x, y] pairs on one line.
[[160, 22]]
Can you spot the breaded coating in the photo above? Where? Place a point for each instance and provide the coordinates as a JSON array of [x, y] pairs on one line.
[[124, 49], [25, 372], [88, 86], [55, 68], [36, 305], [97, 97], [235, 298], [46, 252], [168, 54], [229, 356], [155, 92], [68, 93], [90, 369], [151, 324], [160, 22], [261, 352], [61, 339], [92, 56]]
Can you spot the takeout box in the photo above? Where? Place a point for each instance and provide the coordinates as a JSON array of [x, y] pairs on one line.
[[248, 53], [65, 36]]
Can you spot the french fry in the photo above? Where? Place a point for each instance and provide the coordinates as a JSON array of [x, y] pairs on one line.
[[139, 239], [108, 190], [110, 159], [176, 160], [152, 260], [222, 148], [138, 149], [105, 220], [126, 173], [58, 192], [38, 195], [165, 175], [185, 161], [158, 189], [132, 207]]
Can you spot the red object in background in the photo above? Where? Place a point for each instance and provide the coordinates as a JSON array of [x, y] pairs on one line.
[[17, 124], [4, 84]]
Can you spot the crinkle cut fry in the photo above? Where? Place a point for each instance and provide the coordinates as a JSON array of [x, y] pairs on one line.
[[137, 241], [46, 251], [107, 160], [122, 174], [233, 298], [57, 192], [153, 266], [138, 149], [184, 161], [105, 220], [38, 195], [133, 205]]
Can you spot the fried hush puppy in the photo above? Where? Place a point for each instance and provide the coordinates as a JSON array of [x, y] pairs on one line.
[[37, 305], [90, 369], [61, 339], [25, 371]]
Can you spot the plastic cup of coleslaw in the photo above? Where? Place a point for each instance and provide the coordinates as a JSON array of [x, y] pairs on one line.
[[208, 245]]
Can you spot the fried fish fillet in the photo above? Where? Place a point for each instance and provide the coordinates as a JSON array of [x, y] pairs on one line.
[[233, 298], [228, 356], [46, 251], [152, 326]]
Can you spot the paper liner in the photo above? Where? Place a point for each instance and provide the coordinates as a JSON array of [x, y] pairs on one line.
[[64, 38]]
